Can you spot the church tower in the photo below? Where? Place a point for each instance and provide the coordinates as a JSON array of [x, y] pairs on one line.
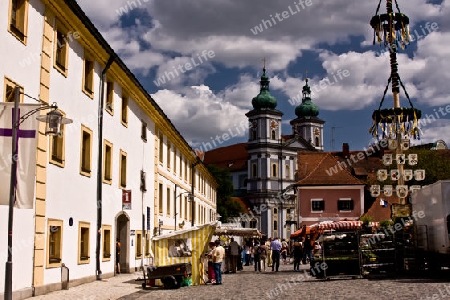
[[270, 165], [307, 125]]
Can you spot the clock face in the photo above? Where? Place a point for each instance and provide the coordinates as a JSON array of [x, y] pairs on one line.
[[316, 131], [273, 124]]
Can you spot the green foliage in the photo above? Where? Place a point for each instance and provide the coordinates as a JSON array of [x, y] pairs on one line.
[[386, 223], [366, 219], [226, 206]]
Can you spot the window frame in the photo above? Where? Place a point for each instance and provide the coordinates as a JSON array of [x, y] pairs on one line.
[[10, 84], [109, 103], [161, 147], [274, 170], [105, 179], [61, 67], [83, 171], [144, 131], [313, 210], [51, 224], [105, 255], [168, 202], [84, 259], [61, 144], [88, 75], [122, 173], [124, 109], [254, 169], [19, 33], [160, 199], [138, 247], [349, 201]]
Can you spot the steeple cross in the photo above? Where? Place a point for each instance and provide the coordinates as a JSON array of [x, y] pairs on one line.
[[264, 60]]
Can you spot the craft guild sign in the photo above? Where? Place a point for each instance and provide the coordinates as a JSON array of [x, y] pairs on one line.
[[126, 199]]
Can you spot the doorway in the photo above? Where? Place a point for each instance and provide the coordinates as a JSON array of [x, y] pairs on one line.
[[123, 234]]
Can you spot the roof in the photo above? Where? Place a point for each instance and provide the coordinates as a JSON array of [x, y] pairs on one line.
[[233, 157], [379, 212], [321, 168], [247, 232]]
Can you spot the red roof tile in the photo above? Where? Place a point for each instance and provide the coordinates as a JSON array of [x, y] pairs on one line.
[[233, 157], [321, 168]]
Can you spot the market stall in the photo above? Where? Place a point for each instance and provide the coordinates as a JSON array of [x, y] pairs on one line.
[[236, 231], [184, 246], [340, 249]]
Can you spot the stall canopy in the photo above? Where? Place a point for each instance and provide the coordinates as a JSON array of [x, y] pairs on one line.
[[235, 231], [195, 242], [301, 232], [341, 225]]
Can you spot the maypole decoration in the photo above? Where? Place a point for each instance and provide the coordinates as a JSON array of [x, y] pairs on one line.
[[397, 125]]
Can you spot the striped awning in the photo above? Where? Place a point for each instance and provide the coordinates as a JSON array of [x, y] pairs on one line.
[[342, 225]]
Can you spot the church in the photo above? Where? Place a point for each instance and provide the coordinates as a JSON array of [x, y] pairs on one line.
[[266, 165]]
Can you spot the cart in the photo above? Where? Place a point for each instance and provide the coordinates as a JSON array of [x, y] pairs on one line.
[[171, 276]]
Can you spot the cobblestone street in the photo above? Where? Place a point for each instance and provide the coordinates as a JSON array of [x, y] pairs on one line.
[[247, 284]]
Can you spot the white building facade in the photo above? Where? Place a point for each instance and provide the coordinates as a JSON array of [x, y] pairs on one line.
[[121, 170]]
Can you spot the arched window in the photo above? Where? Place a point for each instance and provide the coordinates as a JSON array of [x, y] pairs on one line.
[[273, 135], [253, 223], [275, 211], [275, 225], [317, 141], [274, 170], [288, 172], [253, 134]]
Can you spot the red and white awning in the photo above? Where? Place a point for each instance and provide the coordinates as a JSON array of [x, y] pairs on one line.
[[342, 225]]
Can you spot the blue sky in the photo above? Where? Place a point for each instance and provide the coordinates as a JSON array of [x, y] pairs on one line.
[[217, 40]]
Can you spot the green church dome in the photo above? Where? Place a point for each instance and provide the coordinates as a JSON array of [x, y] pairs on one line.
[[307, 108], [264, 100]]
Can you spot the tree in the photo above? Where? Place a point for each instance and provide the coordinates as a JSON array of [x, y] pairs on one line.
[[226, 206]]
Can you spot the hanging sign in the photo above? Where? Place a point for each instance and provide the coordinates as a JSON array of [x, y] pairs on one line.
[[126, 199]]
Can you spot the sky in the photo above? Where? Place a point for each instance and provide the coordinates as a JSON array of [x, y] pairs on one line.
[[215, 50]]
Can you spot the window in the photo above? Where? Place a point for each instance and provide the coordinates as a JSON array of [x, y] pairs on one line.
[[274, 170], [61, 54], [18, 19], [160, 203], [317, 205], [107, 162], [83, 243], [186, 163], [317, 141], [169, 152], [124, 111], [106, 242], [161, 145], [54, 240], [9, 90], [144, 131], [184, 214], [273, 136], [253, 134], [57, 149], [275, 211], [88, 76], [86, 151], [123, 169], [275, 225], [147, 244], [138, 243], [287, 172], [253, 223], [345, 204], [254, 171], [109, 106], [168, 198]]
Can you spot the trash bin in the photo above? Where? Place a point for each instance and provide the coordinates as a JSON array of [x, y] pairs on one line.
[[64, 277]]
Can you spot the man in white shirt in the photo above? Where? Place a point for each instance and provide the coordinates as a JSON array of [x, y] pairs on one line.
[[217, 256]]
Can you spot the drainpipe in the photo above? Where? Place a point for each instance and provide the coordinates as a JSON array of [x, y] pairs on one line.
[[99, 167]]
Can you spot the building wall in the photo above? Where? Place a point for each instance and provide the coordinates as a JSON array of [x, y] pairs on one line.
[[64, 193], [331, 195]]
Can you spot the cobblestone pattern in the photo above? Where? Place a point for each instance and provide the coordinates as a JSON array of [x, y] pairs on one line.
[[248, 284]]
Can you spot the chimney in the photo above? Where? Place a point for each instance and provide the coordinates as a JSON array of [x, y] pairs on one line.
[[345, 150]]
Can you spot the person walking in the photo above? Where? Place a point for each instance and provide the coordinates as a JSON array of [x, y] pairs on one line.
[[269, 252], [263, 256], [297, 255], [275, 245], [307, 249], [211, 272], [234, 253], [218, 256], [257, 256], [118, 255]]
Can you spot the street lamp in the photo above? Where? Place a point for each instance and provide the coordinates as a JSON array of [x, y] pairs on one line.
[[53, 121]]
